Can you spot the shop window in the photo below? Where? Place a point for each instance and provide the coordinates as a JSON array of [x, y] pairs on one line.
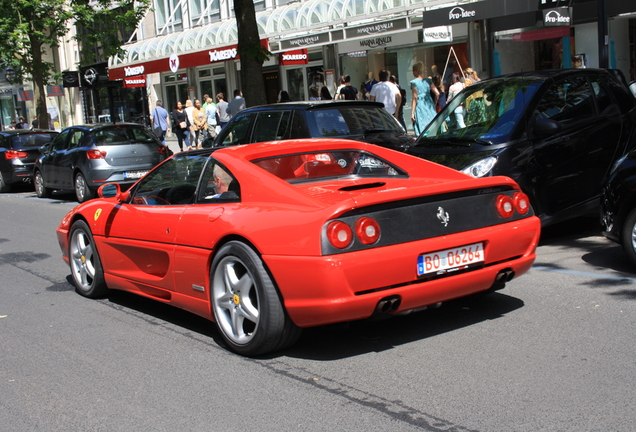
[[205, 73]]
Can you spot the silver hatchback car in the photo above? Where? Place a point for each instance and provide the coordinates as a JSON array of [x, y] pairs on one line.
[[82, 158]]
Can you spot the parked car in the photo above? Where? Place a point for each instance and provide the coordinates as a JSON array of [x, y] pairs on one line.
[[82, 158], [269, 238], [357, 120], [618, 205], [18, 151], [556, 133]]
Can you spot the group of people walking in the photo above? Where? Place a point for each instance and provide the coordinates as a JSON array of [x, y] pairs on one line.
[[194, 122]]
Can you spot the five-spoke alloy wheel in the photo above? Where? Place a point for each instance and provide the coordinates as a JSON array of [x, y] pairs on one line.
[[86, 267], [246, 305]]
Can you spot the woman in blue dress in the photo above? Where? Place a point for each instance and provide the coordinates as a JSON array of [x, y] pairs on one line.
[[425, 96]]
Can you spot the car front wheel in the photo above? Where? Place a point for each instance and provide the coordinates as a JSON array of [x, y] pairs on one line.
[[82, 191], [41, 190], [86, 267], [246, 305]]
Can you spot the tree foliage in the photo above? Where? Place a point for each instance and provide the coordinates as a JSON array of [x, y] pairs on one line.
[[31, 29]]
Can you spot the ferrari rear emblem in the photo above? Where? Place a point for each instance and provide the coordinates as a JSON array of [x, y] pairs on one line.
[[97, 213], [443, 216], [83, 259], [236, 299]]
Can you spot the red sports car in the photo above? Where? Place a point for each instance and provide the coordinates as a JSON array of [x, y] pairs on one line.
[[265, 239]]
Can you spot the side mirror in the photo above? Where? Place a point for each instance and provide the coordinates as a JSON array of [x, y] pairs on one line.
[[112, 190], [546, 127]]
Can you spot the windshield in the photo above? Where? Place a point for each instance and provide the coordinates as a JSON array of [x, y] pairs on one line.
[[32, 139], [348, 121], [319, 166], [118, 135], [484, 113]]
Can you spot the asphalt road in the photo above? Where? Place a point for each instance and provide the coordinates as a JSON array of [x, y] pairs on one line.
[[553, 351]]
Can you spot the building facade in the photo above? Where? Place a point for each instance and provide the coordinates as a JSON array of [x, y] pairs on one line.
[[187, 48]]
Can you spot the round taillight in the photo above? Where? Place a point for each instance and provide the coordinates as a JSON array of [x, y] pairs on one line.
[[521, 202], [367, 230], [505, 207], [339, 234]]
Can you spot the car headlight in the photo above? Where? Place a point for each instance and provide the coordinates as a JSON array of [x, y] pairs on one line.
[[481, 167]]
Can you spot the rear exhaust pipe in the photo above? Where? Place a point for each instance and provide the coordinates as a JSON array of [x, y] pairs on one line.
[[388, 304], [505, 275]]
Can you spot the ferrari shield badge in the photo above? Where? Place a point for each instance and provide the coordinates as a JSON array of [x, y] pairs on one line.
[[97, 213]]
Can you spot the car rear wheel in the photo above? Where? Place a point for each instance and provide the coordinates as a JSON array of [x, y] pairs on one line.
[[4, 187], [246, 305], [41, 190], [86, 267], [82, 191], [629, 236]]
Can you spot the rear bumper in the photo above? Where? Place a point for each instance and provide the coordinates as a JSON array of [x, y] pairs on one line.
[[345, 287]]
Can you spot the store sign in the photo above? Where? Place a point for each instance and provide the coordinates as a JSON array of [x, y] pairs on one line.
[[173, 63], [316, 39], [557, 17], [94, 75], [378, 42], [137, 81], [357, 54], [183, 61], [6, 93], [373, 29], [133, 70], [222, 55], [296, 57], [70, 79], [25, 95], [438, 34], [54, 90], [474, 11]]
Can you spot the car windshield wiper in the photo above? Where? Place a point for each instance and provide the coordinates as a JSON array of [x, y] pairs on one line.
[[471, 140]]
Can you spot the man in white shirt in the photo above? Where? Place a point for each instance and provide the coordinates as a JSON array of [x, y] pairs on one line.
[[387, 93]]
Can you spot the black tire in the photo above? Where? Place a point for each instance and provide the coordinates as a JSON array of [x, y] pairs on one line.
[[628, 236], [246, 305], [82, 191], [4, 186], [86, 267], [41, 190]]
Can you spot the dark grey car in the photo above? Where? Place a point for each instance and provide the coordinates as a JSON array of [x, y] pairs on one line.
[[82, 158], [357, 120], [18, 151]]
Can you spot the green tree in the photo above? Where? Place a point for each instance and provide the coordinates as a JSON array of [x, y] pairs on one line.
[[31, 29], [252, 53]]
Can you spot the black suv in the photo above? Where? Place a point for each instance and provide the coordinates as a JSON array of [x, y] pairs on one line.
[[357, 120], [18, 151], [556, 133]]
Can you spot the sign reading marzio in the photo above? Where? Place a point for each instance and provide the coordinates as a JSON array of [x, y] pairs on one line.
[[384, 27], [317, 39], [557, 17]]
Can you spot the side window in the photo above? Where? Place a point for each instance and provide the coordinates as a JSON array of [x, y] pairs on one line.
[[59, 143], [567, 101], [218, 185], [270, 126], [76, 139], [603, 99], [172, 183], [237, 132]]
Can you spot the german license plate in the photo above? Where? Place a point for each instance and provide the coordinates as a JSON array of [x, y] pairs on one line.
[[134, 174], [450, 259]]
